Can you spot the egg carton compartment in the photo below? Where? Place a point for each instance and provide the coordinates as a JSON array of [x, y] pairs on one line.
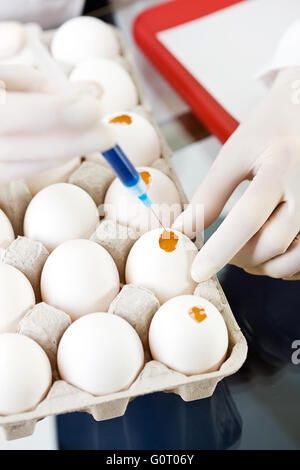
[[94, 179], [14, 199], [117, 240], [45, 324], [29, 257], [136, 305]]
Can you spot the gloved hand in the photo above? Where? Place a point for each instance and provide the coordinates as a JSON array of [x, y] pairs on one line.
[[261, 232], [41, 128]]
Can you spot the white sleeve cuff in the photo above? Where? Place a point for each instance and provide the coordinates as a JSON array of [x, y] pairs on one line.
[[286, 55]]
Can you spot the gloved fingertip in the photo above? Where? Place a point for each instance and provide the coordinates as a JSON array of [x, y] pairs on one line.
[[202, 270], [185, 223]]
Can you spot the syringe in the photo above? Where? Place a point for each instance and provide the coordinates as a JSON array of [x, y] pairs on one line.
[[129, 176], [126, 172]]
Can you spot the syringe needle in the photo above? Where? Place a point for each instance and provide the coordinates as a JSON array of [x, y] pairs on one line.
[[157, 218]]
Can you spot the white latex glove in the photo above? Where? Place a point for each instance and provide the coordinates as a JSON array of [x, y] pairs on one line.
[[48, 13], [261, 232], [40, 128]]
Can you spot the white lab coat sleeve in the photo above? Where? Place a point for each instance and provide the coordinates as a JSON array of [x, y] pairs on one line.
[[287, 54]]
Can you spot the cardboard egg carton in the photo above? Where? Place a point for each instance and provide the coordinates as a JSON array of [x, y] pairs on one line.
[[45, 324]]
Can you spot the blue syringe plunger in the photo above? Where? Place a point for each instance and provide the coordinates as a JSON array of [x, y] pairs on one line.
[[126, 172]]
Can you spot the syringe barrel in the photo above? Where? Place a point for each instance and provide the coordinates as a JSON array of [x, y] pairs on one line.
[[126, 172], [122, 167]]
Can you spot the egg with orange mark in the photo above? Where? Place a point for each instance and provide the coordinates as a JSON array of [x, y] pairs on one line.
[[118, 88], [188, 334], [122, 206], [136, 136], [161, 262]]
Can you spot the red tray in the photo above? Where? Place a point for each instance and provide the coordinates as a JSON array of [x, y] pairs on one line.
[[168, 15]]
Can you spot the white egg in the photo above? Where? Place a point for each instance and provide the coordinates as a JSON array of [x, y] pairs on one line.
[[16, 297], [162, 262], [121, 205], [25, 374], [60, 212], [119, 91], [6, 231], [79, 277], [136, 136], [84, 38], [188, 334], [100, 353]]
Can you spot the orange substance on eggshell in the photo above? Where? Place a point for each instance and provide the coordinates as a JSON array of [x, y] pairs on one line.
[[168, 241], [196, 314], [122, 119], [146, 177]]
